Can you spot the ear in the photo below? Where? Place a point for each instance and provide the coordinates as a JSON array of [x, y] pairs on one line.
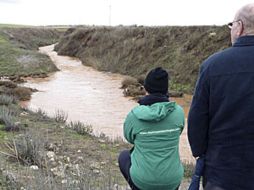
[[240, 29]]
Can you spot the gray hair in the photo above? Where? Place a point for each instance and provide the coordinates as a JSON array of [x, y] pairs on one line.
[[246, 15]]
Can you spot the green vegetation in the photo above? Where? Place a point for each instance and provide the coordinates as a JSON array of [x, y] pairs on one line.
[[18, 50], [60, 155], [57, 155], [135, 50]]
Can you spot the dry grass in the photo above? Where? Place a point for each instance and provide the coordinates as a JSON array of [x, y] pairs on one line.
[[61, 116], [127, 81], [7, 100], [22, 93], [80, 128], [136, 50], [8, 119]]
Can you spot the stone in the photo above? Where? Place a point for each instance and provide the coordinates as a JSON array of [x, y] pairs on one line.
[[95, 165], [23, 113], [34, 167], [102, 141], [95, 171], [51, 154]]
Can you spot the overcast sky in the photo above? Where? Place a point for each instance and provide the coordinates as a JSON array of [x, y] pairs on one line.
[[115, 12]]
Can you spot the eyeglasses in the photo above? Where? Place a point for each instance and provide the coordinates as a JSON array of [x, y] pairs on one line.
[[230, 25]]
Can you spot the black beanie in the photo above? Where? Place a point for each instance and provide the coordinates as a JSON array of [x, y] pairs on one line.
[[157, 81]]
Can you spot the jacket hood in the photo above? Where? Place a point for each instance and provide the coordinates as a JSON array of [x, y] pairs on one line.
[[156, 112]]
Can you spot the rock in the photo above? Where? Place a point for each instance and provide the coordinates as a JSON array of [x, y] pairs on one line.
[[134, 90], [116, 187], [24, 113], [17, 123], [101, 141], [51, 154], [64, 181], [212, 34], [103, 163], [95, 171], [95, 165], [34, 167], [117, 145], [59, 172], [52, 160]]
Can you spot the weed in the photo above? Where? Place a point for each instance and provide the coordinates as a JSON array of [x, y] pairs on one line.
[[60, 116], [7, 100], [8, 119], [22, 93], [42, 115], [27, 148], [127, 81], [188, 169], [136, 50], [141, 79], [80, 128]]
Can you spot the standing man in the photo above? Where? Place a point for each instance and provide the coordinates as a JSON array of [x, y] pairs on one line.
[[221, 118]]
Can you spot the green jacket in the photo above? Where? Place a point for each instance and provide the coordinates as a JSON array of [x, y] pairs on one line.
[[154, 130]]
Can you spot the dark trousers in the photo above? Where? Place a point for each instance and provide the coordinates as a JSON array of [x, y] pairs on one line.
[[210, 186], [124, 161]]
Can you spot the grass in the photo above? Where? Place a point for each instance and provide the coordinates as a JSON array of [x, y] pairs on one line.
[[18, 51], [80, 128], [76, 155], [135, 50], [7, 100], [60, 116], [80, 160]]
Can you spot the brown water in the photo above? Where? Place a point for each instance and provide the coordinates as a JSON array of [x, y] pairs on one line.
[[89, 96]]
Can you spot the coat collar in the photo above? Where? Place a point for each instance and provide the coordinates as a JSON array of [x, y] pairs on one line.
[[244, 41]]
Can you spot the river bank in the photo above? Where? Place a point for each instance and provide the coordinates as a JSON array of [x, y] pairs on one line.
[[91, 97], [42, 152]]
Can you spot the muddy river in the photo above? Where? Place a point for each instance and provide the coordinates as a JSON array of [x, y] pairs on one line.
[[89, 96]]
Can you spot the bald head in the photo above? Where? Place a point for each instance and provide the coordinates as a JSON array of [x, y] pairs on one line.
[[246, 15]]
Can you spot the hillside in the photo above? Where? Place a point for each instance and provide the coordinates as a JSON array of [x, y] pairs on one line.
[[19, 54], [135, 50]]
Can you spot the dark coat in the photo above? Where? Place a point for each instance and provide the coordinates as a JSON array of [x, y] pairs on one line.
[[221, 117]]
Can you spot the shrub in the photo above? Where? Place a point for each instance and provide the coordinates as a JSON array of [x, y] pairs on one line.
[[7, 100], [42, 115], [188, 169], [27, 148], [141, 79], [80, 128], [127, 81], [8, 119], [60, 116], [22, 93]]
